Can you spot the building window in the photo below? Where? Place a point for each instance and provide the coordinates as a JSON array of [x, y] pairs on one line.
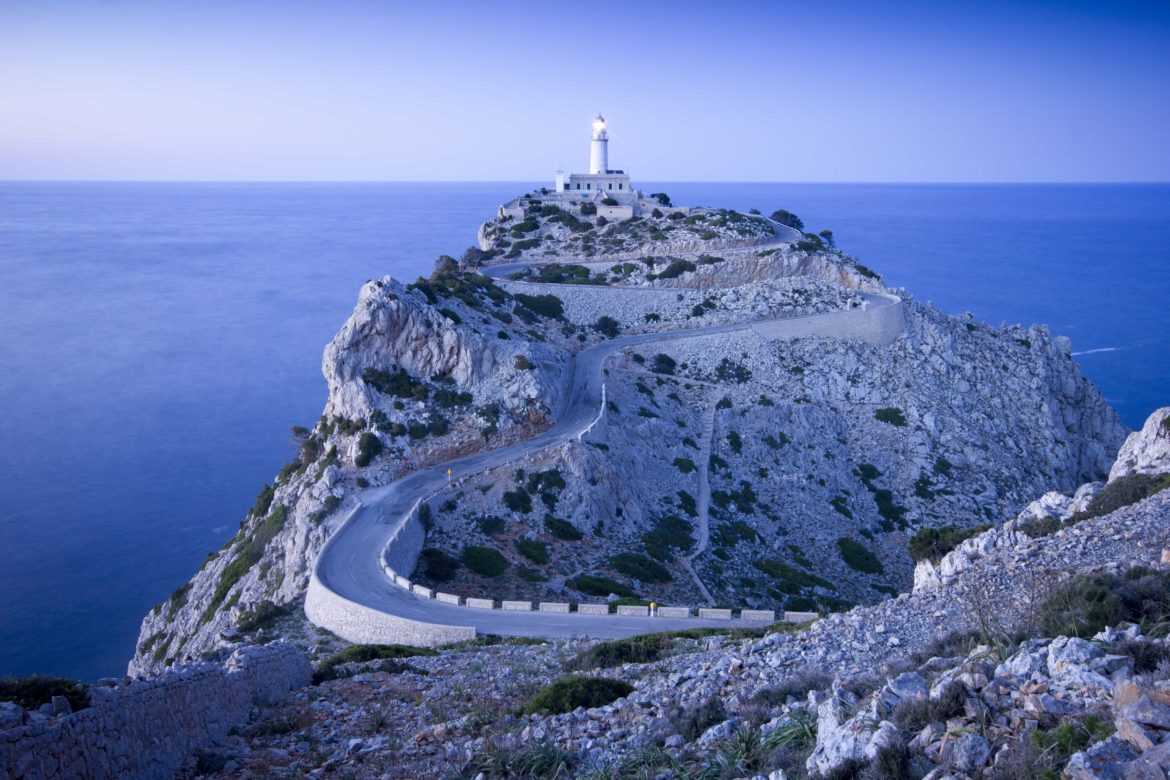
[[578, 185], [588, 186], [619, 185]]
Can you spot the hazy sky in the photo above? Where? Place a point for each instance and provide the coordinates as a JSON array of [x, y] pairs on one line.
[[938, 90]]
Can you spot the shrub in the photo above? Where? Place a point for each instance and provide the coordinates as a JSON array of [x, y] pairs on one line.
[[369, 446], [858, 557], [787, 218], [892, 415], [602, 222], [662, 198], [545, 305], [397, 383], [797, 685], [663, 364], [522, 363], [518, 500], [676, 268], [1087, 604], [539, 760], [562, 529], [933, 543], [607, 326], [569, 693], [912, 715], [33, 691], [360, 654], [735, 442], [693, 721], [1124, 492], [263, 615], [448, 398], [596, 585], [685, 465], [533, 550], [640, 567], [437, 565], [588, 209], [484, 561]]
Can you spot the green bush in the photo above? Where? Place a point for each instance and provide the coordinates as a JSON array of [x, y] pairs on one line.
[[596, 585], [562, 529], [735, 442], [545, 305], [662, 198], [484, 561], [437, 565], [397, 383], [263, 615], [858, 557], [518, 500], [263, 501], [588, 209], [685, 465], [933, 543], [1087, 604], [1124, 492], [569, 693], [358, 654], [676, 268], [369, 447], [669, 534], [607, 326], [892, 415], [31, 692], [640, 567], [663, 364], [522, 363], [787, 218], [533, 550]]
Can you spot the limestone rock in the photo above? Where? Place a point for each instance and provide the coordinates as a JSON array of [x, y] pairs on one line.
[[1146, 451]]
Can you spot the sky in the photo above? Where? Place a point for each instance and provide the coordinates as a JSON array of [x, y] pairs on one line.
[[725, 90]]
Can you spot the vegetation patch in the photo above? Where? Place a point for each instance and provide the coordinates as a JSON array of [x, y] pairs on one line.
[[263, 615], [597, 585], [534, 550], [1087, 604], [640, 567], [562, 529], [248, 554], [892, 415], [369, 447], [33, 691], [358, 654], [669, 535], [933, 543], [437, 565], [858, 557], [484, 561], [569, 693]]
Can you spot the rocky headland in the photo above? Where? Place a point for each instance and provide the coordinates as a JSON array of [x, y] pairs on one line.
[[980, 539]]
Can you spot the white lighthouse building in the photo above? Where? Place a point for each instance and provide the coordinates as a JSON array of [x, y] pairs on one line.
[[601, 178], [599, 147]]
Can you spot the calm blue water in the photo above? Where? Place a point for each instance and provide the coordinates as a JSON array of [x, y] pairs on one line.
[[157, 341]]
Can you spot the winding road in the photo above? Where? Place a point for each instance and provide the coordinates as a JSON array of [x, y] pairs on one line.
[[351, 595]]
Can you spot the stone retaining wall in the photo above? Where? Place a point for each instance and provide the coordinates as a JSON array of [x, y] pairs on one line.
[[146, 729], [880, 323]]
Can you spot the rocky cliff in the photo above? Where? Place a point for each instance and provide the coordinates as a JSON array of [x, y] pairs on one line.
[[788, 472]]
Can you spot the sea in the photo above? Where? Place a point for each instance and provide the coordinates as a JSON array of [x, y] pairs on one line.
[[159, 340]]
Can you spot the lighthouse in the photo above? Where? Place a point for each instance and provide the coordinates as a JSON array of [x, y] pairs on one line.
[[599, 147], [602, 182]]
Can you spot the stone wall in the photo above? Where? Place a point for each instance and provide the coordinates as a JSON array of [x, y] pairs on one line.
[[146, 728], [879, 323]]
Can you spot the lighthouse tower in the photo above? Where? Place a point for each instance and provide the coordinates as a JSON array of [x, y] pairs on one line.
[[602, 183], [599, 147]]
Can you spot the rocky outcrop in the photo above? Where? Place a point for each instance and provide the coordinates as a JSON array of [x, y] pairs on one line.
[[1146, 451]]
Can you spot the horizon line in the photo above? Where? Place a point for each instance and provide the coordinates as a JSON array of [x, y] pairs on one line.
[[1006, 182]]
